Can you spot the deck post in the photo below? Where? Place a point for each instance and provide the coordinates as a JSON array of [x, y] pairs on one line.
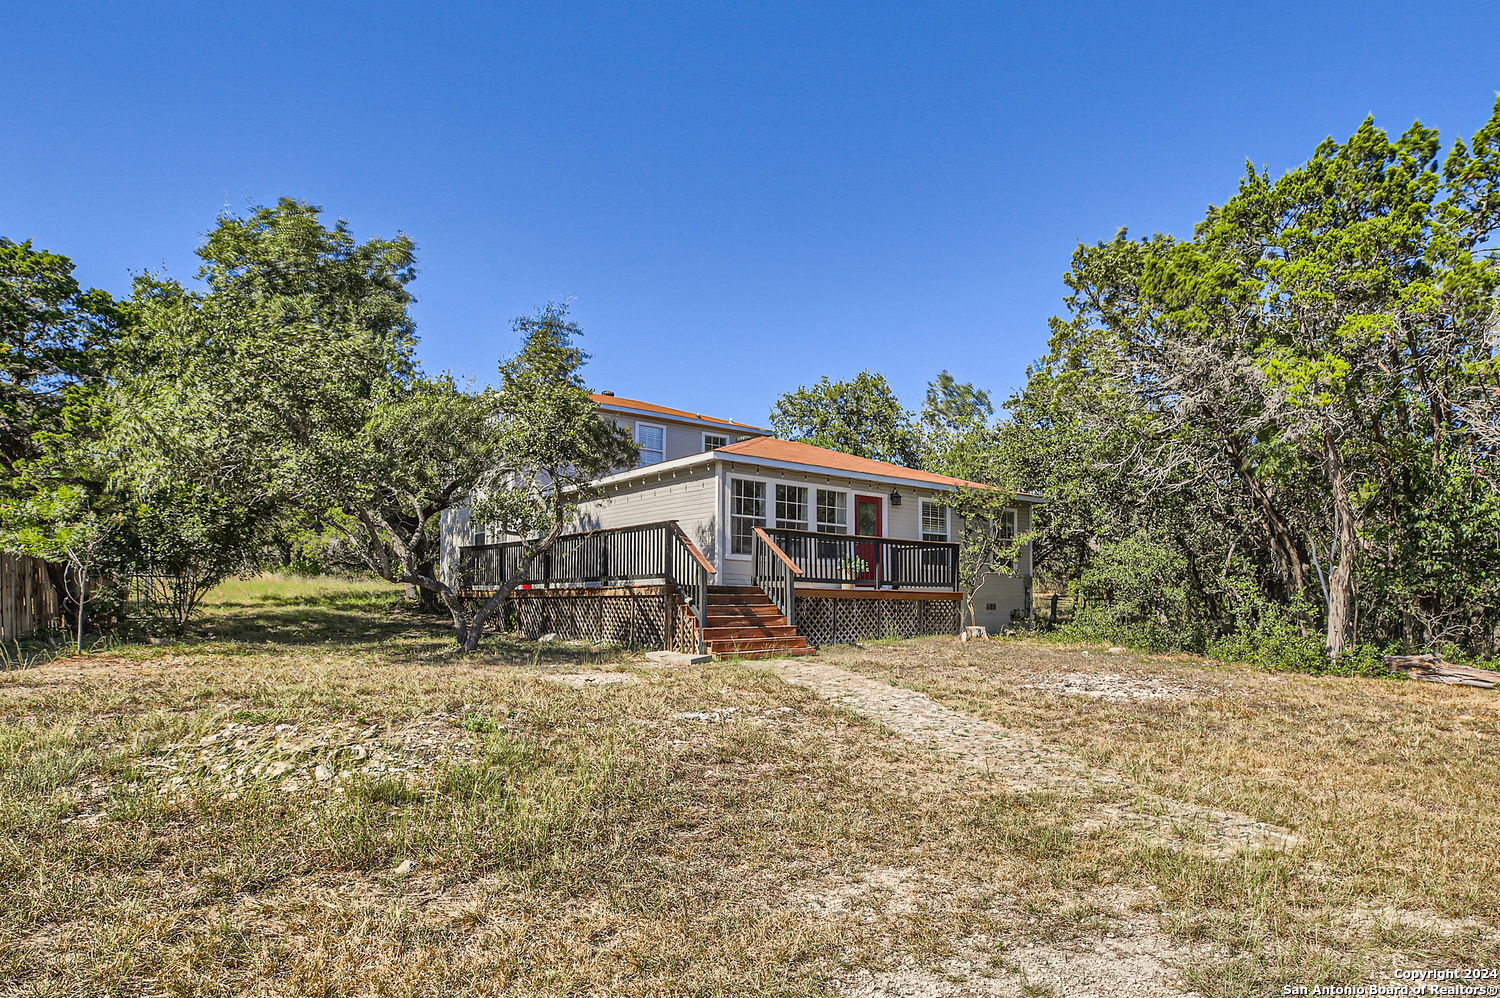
[[669, 549], [669, 618], [791, 596], [702, 612]]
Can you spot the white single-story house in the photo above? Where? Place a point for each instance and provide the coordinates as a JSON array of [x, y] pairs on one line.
[[790, 545]]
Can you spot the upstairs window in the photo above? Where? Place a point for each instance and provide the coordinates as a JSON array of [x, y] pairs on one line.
[[747, 510], [652, 442], [713, 441]]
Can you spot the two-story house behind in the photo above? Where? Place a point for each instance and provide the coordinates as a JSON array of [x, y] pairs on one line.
[[763, 546]]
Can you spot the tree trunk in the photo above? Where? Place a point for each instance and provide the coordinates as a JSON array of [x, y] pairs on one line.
[[57, 577], [420, 598], [1288, 557], [470, 642], [1346, 541]]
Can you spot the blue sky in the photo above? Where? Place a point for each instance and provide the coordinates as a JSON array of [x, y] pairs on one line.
[[736, 197]]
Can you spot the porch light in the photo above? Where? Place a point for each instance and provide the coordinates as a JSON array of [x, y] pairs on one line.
[[895, 498]]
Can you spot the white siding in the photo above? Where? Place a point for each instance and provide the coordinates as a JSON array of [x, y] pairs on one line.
[[1007, 592], [453, 531], [681, 439], [688, 497], [698, 499]]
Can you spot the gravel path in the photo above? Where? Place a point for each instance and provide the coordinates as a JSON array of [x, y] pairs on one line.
[[1024, 764]]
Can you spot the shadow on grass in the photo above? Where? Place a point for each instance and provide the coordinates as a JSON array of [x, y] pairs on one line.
[[370, 620], [330, 617]]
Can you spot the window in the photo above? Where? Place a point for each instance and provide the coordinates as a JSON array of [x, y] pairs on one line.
[[747, 510], [934, 528], [1008, 531], [713, 441], [833, 511], [791, 507], [833, 518], [934, 522], [479, 540], [791, 514], [652, 442]]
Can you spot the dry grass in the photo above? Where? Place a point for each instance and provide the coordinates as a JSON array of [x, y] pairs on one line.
[[305, 798], [1390, 784]]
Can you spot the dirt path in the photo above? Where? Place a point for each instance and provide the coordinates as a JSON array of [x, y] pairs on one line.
[[1025, 764]]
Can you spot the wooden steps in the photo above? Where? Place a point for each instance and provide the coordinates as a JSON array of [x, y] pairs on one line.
[[744, 623]]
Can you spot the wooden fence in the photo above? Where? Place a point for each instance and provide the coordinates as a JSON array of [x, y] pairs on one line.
[[1051, 609], [28, 603]]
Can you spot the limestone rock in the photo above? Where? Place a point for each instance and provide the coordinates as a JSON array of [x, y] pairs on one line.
[[677, 658]]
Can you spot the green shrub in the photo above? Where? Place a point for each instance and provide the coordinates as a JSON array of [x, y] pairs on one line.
[[1134, 592]]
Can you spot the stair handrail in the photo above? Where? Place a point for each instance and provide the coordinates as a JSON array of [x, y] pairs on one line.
[[692, 548], [705, 568], [782, 571]]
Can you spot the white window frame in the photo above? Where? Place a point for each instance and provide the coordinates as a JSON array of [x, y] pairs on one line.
[[922, 531], [828, 549], [768, 497], [818, 522], [929, 556], [663, 452], [716, 436], [775, 508]]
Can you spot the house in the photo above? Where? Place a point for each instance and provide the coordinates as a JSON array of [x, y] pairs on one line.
[[724, 538]]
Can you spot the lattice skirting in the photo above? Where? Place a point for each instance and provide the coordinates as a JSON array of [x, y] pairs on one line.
[[839, 621], [633, 616]]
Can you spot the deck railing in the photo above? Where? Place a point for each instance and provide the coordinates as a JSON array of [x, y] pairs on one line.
[[873, 562], [650, 552], [776, 573]]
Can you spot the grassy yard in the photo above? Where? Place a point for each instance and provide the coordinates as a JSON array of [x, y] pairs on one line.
[[306, 797]]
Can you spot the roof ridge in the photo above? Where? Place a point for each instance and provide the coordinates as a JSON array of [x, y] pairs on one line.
[[757, 447], [641, 405]]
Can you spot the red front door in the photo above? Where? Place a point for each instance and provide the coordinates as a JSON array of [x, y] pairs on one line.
[[867, 524]]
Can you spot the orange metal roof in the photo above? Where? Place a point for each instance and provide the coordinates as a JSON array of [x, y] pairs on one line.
[[662, 410], [793, 452]]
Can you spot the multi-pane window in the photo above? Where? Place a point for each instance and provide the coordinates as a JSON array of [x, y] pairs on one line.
[[747, 511], [652, 442], [713, 441], [833, 518], [791, 507], [833, 511], [791, 514]]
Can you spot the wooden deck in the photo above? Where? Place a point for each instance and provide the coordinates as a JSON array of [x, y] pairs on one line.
[[819, 592], [650, 584], [878, 594]]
